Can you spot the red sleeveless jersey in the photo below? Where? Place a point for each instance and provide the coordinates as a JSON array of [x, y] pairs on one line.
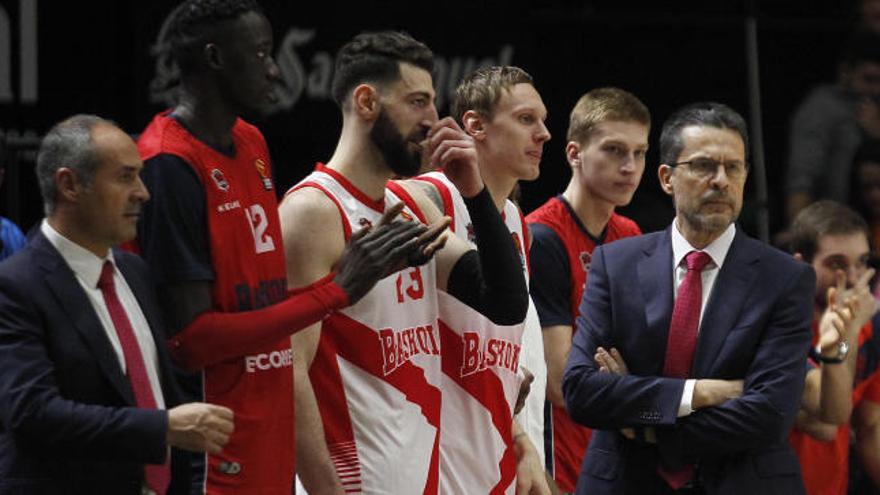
[[569, 439], [249, 273]]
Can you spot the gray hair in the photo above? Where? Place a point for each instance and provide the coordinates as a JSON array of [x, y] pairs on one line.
[[68, 144]]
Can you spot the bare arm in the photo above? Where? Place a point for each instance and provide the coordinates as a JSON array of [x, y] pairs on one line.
[[530, 474], [313, 241], [823, 432], [847, 311], [557, 344], [313, 466]]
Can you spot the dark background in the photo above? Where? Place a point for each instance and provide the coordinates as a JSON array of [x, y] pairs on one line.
[[94, 57]]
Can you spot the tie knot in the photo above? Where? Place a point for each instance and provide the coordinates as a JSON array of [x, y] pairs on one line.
[[697, 260], [106, 278]]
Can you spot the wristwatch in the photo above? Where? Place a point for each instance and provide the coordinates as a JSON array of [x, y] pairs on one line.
[[842, 351]]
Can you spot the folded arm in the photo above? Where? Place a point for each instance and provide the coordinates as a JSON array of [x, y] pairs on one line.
[[771, 391]]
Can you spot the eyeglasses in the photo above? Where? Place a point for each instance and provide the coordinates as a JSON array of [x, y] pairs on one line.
[[706, 168]]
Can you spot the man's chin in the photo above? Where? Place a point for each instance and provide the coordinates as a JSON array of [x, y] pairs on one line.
[[408, 167], [258, 114]]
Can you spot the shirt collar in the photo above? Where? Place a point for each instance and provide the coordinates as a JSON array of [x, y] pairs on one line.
[[83, 262], [717, 249]]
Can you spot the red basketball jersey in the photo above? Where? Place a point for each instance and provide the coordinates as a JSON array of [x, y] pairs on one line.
[[249, 273], [570, 440]]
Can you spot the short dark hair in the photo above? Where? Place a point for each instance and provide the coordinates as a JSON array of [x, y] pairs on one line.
[[375, 57], [819, 219], [480, 90], [703, 114], [182, 36]]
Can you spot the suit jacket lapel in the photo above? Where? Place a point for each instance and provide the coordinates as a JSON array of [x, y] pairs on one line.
[[725, 304], [70, 296], [655, 280]]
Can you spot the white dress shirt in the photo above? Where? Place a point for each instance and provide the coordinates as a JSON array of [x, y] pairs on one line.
[[87, 268], [717, 250]]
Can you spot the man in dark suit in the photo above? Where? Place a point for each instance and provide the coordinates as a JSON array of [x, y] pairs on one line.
[[85, 380], [692, 310]]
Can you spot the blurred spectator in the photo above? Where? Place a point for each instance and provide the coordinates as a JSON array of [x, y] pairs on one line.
[[865, 188], [869, 16], [830, 125], [11, 238], [843, 380]]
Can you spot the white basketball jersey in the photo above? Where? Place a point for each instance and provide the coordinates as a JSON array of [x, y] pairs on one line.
[[376, 373], [480, 373]]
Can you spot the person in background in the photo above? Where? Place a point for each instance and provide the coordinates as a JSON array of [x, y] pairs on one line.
[[607, 142], [844, 380], [710, 394], [11, 237], [501, 109], [88, 402], [830, 125]]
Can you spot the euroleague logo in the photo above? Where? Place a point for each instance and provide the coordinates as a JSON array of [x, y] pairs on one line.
[[586, 258], [260, 165], [219, 180]]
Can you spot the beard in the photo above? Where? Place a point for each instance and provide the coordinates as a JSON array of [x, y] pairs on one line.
[[703, 222], [393, 147]]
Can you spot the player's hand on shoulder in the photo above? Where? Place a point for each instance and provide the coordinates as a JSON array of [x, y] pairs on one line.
[[200, 427], [455, 151], [374, 252]]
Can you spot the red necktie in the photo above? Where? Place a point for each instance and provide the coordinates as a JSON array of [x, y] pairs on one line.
[[682, 340], [156, 476]]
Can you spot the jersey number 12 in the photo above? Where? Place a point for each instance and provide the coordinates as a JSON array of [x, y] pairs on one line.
[[258, 222]]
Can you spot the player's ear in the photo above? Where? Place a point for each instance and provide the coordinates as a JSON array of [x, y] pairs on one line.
[[67, 184], [665, 173], [212, 55], [474, 124], [365, 101], [573, 154]]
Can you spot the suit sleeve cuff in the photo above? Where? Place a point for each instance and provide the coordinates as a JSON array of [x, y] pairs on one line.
[[687, 398]]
